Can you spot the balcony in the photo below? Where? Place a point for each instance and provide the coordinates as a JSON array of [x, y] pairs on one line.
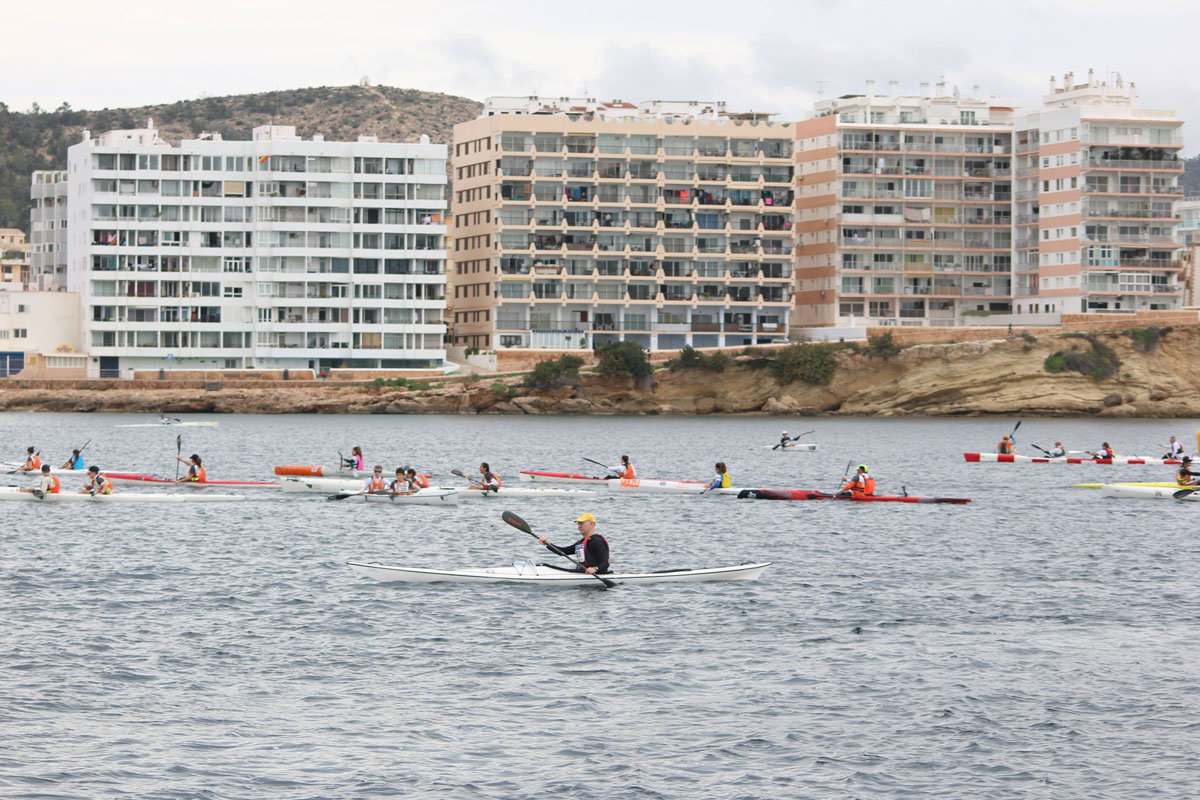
[[1139, 164]]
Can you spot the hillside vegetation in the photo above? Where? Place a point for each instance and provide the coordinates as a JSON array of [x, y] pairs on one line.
[[39, 139]]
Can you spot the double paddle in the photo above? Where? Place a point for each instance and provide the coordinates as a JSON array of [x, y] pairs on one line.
[[792, 439], [522, 525]]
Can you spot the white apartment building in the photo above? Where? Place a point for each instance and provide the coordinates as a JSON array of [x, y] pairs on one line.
[[275, 252], [48, 229]]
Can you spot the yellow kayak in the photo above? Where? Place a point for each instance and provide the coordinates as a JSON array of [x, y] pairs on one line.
[[1156, 485]]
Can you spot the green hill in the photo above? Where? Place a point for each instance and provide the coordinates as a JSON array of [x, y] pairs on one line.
[[39, 139]]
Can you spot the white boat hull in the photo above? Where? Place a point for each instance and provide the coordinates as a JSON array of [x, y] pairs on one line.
[[542, 575], [171, 425], [640, 486], [15, 469], [1146, 492], [425, 497], [518, 491], [807, 448], [9, 493], [319, 485], [1004, 458]]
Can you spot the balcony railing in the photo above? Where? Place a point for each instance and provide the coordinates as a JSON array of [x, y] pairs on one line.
[[1120, 163]]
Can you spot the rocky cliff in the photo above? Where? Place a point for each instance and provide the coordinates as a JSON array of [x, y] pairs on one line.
[[1004, 376]]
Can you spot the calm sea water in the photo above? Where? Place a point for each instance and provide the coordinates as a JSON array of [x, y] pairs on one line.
[[1041, 642]]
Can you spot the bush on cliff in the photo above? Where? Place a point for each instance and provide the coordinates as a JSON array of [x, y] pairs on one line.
[[1100, 362], [691, 358], [882, 346], [554, 372], [1146, 339], [812, 363], [623, 358]]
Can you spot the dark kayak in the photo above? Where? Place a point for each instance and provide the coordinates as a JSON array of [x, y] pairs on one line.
[[812, 494]]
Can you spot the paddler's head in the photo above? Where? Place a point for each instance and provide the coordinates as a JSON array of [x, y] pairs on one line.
[[195, 459], [484, 468], [862, 467], [378, 470], [45, 469], [586, 523], [1186, 460], [93, 470], [29, 450]]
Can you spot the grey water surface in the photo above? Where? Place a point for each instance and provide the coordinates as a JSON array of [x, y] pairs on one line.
[[1040, 642]]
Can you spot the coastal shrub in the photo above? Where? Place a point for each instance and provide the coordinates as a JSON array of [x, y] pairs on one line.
[[691, 358], [554, 372], [882, 346], [1028, 337], [623, 358], [1146, 339], [470, 377], [1100, 362], [716, 362], [499, 388], [812, 363]]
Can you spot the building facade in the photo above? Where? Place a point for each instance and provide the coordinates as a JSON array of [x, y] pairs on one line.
[[903, 209], [578, 223], [1098, 179], [270, 253], [48, 229]]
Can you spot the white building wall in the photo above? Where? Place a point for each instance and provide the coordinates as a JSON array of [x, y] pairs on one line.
[[48, 229], [270, 253]]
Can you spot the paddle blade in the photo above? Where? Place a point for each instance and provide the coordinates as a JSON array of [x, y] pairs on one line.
[[516, 522], [458, 472], [1182, 493], [335, 497], [607, 583]]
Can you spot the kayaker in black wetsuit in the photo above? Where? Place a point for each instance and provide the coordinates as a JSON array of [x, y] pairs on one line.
[[1184, 475], [591, 551]]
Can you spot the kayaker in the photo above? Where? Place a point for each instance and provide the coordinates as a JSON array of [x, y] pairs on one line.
[[1057, 451], [1184, 475], [49, 484], [399, 484], [722, 481], [163, 419], [861, 483], [96, 483], [74, 462], [1104, 452], [1174, 449], [418, 481], [376, 483], [784, 439], [1006, 446], [486, 480], [33, 461], [196, 472], [355, 461], [624, 472], [591, 551]]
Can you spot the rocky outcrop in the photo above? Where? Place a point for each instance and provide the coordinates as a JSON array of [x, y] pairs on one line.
[[1002, 376]]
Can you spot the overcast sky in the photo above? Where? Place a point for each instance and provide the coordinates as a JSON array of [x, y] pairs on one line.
[[768, 56]]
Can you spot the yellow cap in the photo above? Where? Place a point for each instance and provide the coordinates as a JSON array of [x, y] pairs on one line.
[[586, 518]]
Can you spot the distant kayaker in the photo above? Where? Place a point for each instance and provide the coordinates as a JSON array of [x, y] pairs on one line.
[[1104, 452], [1006, 446], [196, 472], [33, 461], [376, 483], [784, 439], [355, 461], [1174, 449], [1184, 475], [591, 551], [49, 484], [625, 471], [486, 479], [861, 483], [74, 462], [722, 481], [418, 481], [96, 483], [1057, 451], [163, 419]]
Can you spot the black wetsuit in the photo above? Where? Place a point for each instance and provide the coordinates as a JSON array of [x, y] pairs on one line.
[[595, 552]]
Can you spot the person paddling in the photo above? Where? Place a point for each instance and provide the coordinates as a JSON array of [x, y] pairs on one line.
[[376, 483], [1105, 451], [355, 461], [399, 484], [74, 462], [1184, 475], [49, 484], [33, 461], [1174, 449], [1057, 451], [96, 483], [486, 479], [861, 483], [591, 551], [624, 472], [1006, 446], [416, 481], [784, 439], [163, 419], [722, 481], [196, 472]]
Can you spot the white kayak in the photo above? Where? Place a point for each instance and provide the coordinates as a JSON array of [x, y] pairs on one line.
[[425, 497], [15, 469], [1006, 458], [1147, 492], [320, 485], [171, 425], [808, 448], [468, 493], [545, 575], [646, 486], [10, 493]]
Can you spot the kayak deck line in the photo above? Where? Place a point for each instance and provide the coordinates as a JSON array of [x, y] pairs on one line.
[[1012, 458], [546, 575], [1154, 484], [151, 480], [1148, 492], [11, 493]]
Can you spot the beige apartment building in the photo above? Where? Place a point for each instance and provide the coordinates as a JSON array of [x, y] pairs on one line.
[[578, 222], [1096, 187], [903, 209]]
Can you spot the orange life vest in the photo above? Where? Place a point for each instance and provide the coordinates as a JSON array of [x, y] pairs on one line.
[[423, 480], [197, 474], [867, 486], [34, 462], [1004, 447], [376, 484], [629, 473], [55, 484]]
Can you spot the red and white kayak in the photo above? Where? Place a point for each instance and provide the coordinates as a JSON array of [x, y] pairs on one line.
[[647, 486], [317, 471], [150, 480], [813, 494], [1012, 458], [542, 476]]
